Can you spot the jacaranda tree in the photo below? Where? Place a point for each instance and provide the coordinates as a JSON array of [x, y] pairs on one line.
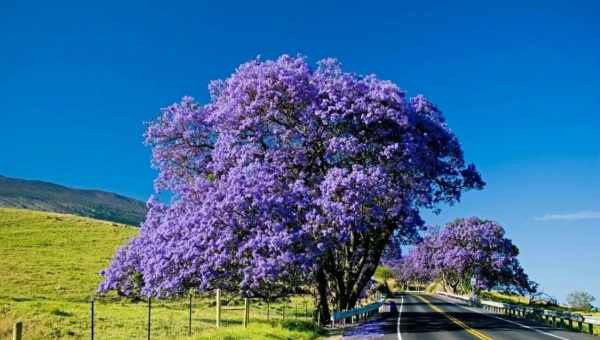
[[289, 177], [467, 249]]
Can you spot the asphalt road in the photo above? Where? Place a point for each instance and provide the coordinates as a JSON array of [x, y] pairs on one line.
[[428, 317]]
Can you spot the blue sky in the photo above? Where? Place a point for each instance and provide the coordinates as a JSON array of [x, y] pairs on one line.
[[518, 84]]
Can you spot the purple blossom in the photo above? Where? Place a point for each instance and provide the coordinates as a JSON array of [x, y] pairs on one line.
[[464, 249], [290, 176]]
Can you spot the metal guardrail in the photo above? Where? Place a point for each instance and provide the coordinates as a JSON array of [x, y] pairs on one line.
[[517, 310], [356, 313]]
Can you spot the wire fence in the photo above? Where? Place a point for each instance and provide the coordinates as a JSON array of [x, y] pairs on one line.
[[113, 317], [181, 318]]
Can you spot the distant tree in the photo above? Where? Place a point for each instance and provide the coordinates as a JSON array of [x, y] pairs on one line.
[[581, 300], [416, 267], [465, 249], [289, 176]]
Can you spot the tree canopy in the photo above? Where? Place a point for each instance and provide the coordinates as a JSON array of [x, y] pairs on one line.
[[580, 300], [465, 250], [289, 176]]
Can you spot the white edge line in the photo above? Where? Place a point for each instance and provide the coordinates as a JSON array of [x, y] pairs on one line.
[[399, 316], [510, 321]]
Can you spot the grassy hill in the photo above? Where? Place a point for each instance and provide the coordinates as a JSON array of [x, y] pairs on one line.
[[49, 265], [38, 195], [54, 256]]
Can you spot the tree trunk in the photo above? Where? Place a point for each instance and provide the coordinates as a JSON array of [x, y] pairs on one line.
[[345, 274], [355, 276], [322, 303], [454, 285]]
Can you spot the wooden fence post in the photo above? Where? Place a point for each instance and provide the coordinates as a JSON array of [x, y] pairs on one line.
[[305, 310], [318, 316], [149, 317], [218, 308], [92, 320], [246, 312], [190, 318], [18, 331]]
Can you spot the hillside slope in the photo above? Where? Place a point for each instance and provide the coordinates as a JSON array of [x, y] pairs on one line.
[[38, 195], [55, 256]]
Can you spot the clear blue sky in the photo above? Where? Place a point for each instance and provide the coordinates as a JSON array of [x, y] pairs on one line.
[[518, 83]]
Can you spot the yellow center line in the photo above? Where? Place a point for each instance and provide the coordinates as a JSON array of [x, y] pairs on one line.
[[466, 327]]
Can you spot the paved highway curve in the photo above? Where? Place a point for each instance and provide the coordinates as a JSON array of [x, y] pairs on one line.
[[432, 317]]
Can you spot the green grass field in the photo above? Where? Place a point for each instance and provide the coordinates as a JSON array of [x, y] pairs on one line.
[[49, 265]]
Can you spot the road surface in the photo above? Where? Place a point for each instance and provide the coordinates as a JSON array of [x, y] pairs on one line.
[[432, 317]]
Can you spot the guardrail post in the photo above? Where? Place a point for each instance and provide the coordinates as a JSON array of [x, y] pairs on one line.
[[18, 330], [591, 328], [332, 319], [580, 326], [553, 321], [570, 324]]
